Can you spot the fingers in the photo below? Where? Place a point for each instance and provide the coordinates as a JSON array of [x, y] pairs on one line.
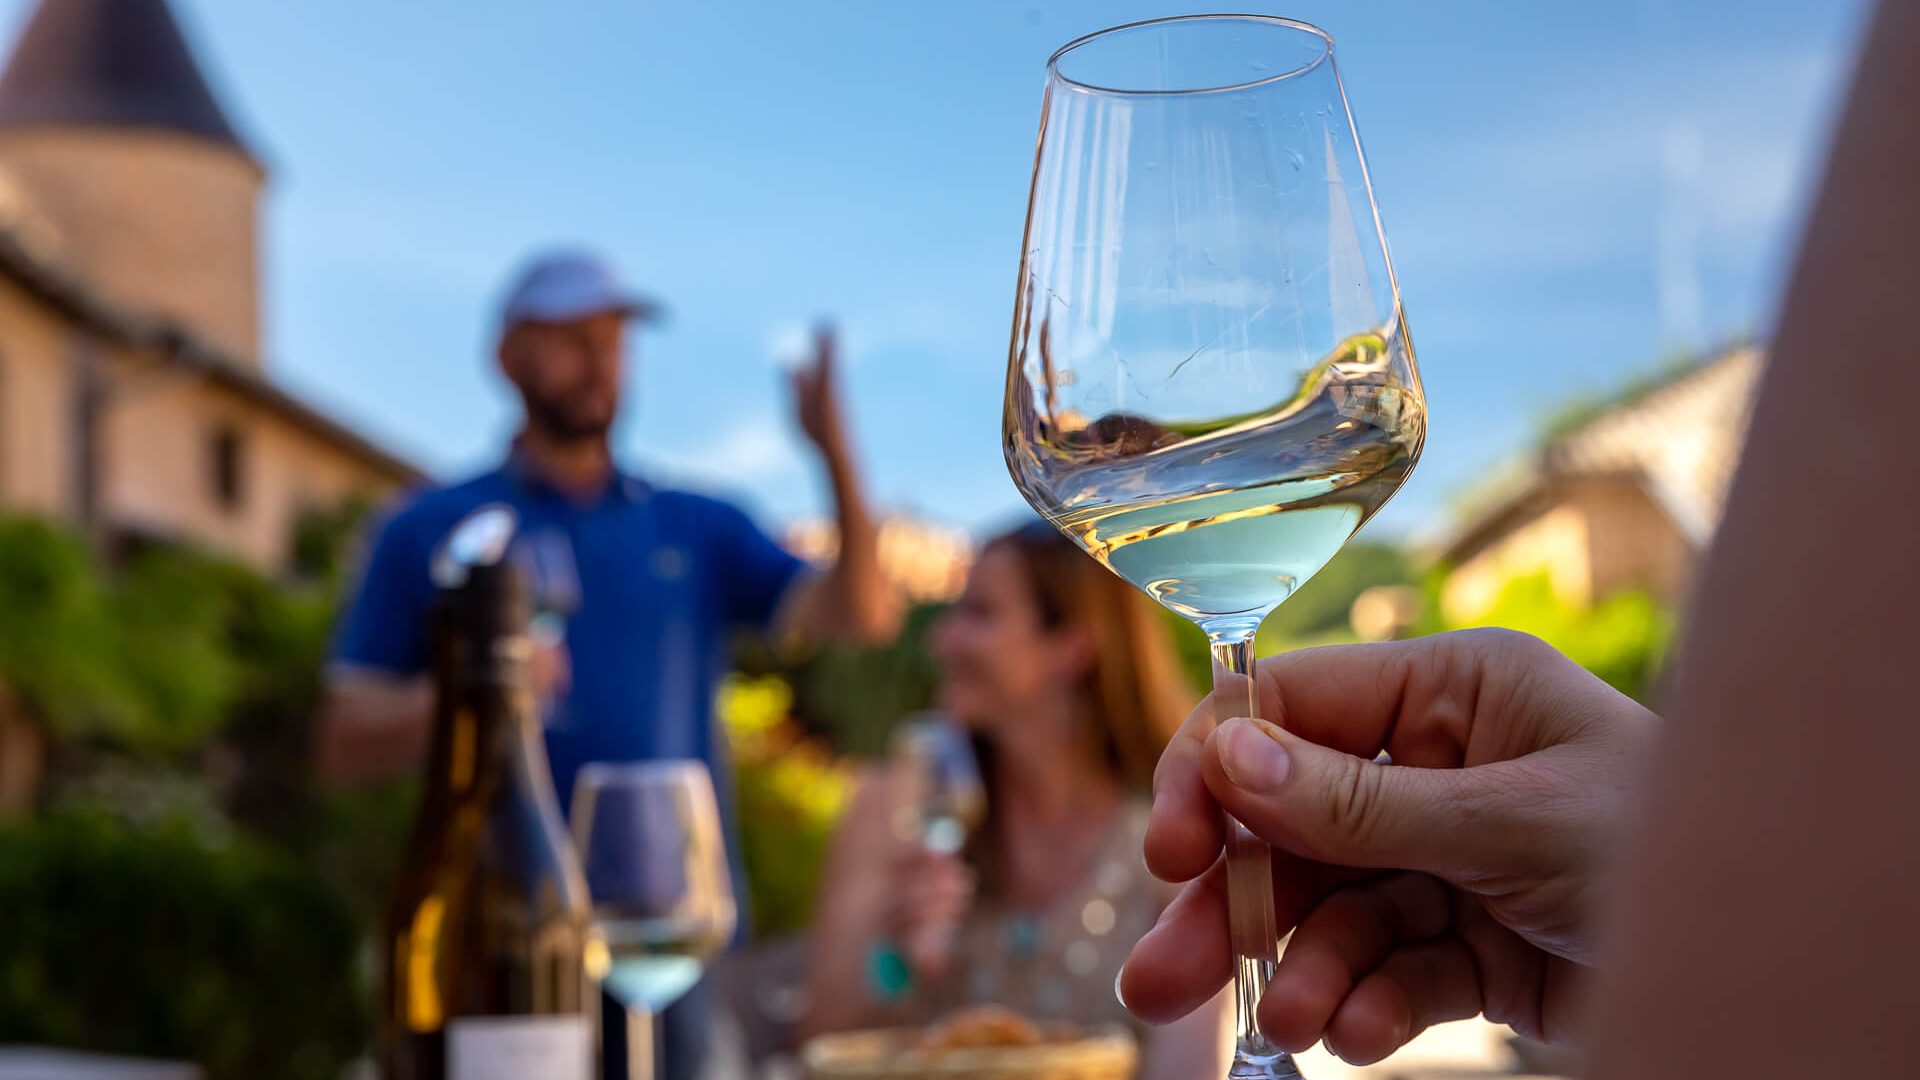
[[1443, 701], [825, 348], [1374, 964], [1513, 973], [1339, 808], [1187, 957], [932, 897], [1407, 697], [800, 383], [1416, 987], [1339, 943], [1184, 833], [935, 880], [1418, 699]]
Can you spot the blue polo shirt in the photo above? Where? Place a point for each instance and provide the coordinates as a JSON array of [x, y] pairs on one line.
[[664, 579]]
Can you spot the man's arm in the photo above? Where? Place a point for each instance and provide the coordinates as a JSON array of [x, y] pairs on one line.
[[373, 719], [853, 601], [372, 726]]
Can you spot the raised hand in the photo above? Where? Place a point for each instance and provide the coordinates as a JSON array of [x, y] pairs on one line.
[[816, 394]]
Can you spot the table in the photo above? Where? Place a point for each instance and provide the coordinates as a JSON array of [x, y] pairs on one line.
[[43, 1063]]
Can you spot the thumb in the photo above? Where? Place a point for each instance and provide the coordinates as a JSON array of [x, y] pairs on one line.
[[800, 383], [1337, 808], [826, 341]]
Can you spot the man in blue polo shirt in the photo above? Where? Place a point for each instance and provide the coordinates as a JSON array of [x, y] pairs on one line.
[[658, 580]]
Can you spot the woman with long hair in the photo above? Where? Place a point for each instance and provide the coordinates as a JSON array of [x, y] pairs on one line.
[[1066, 681]]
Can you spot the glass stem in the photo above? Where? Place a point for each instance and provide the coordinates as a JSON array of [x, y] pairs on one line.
[[1256, 945], [643, 1053]]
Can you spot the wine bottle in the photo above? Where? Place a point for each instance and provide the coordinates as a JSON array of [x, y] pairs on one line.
[[487, 926]]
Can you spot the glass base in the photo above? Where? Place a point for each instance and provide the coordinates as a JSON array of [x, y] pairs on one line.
[[1264, 1064]]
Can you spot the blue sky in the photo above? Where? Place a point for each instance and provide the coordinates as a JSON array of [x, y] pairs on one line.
[[1571, 191]]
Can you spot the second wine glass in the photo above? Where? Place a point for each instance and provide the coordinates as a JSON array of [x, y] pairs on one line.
[[1210, 385], [947, 798], [655, 858]]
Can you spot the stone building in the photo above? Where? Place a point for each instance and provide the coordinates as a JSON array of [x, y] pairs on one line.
[[1625, 497], [134, 402], [925, 562]]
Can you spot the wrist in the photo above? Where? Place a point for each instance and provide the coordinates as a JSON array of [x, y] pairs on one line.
[[835, 453]]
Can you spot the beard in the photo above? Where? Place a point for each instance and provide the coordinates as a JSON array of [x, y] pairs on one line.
[[565, 420]]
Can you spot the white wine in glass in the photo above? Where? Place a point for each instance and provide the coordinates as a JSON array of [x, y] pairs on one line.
[[1210, 385], [655, 858]]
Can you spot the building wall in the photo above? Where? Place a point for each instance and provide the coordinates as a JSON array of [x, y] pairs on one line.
[[159, 222], [1592, 537], [36, 405], [1553, 538], [161, 474], [1685, 437], [926, 563], [1633, 542], [158, 431]]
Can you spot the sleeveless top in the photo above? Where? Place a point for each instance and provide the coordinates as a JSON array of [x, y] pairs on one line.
[[1058, 965]]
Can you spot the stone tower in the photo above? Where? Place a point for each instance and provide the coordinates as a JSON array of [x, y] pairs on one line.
[[112, 132]]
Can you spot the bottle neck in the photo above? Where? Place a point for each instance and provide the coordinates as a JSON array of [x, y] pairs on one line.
[[484, 718]]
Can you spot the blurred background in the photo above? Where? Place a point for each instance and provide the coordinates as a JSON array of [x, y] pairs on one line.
[[249, 272]]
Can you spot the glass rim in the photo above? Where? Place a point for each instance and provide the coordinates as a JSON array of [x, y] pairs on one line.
[[600, 774], [1325, 54]]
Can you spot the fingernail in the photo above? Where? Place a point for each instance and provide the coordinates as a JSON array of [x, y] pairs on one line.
[[1117, 994], [1253, 760]]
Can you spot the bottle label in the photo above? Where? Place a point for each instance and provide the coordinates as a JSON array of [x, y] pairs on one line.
[[520, 1048]]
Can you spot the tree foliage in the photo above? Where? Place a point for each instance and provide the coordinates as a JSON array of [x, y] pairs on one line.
[[1623, 638], [184, 891], [1321, 605], [852, 697]]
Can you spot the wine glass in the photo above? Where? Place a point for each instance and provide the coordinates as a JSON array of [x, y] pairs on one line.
[[545, 556], [947, 799], [655, 859], [1210, 385]]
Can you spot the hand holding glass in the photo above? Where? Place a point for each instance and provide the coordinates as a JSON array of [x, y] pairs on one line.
[[1210, 385], [947, 798]]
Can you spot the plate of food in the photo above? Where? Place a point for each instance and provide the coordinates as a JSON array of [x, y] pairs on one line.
[[982, 1043]]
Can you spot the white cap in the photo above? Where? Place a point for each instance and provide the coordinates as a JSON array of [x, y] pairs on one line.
[[559, 286]]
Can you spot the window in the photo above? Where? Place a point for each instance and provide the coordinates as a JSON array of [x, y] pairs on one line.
[[228, 472]]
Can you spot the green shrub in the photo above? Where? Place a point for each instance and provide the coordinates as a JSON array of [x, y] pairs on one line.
[[169, 611], [1623, 638], [54, 632], [1320, 608], [157, 939], [790, 796], [136, 661], [187, 892], [852, 697]]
